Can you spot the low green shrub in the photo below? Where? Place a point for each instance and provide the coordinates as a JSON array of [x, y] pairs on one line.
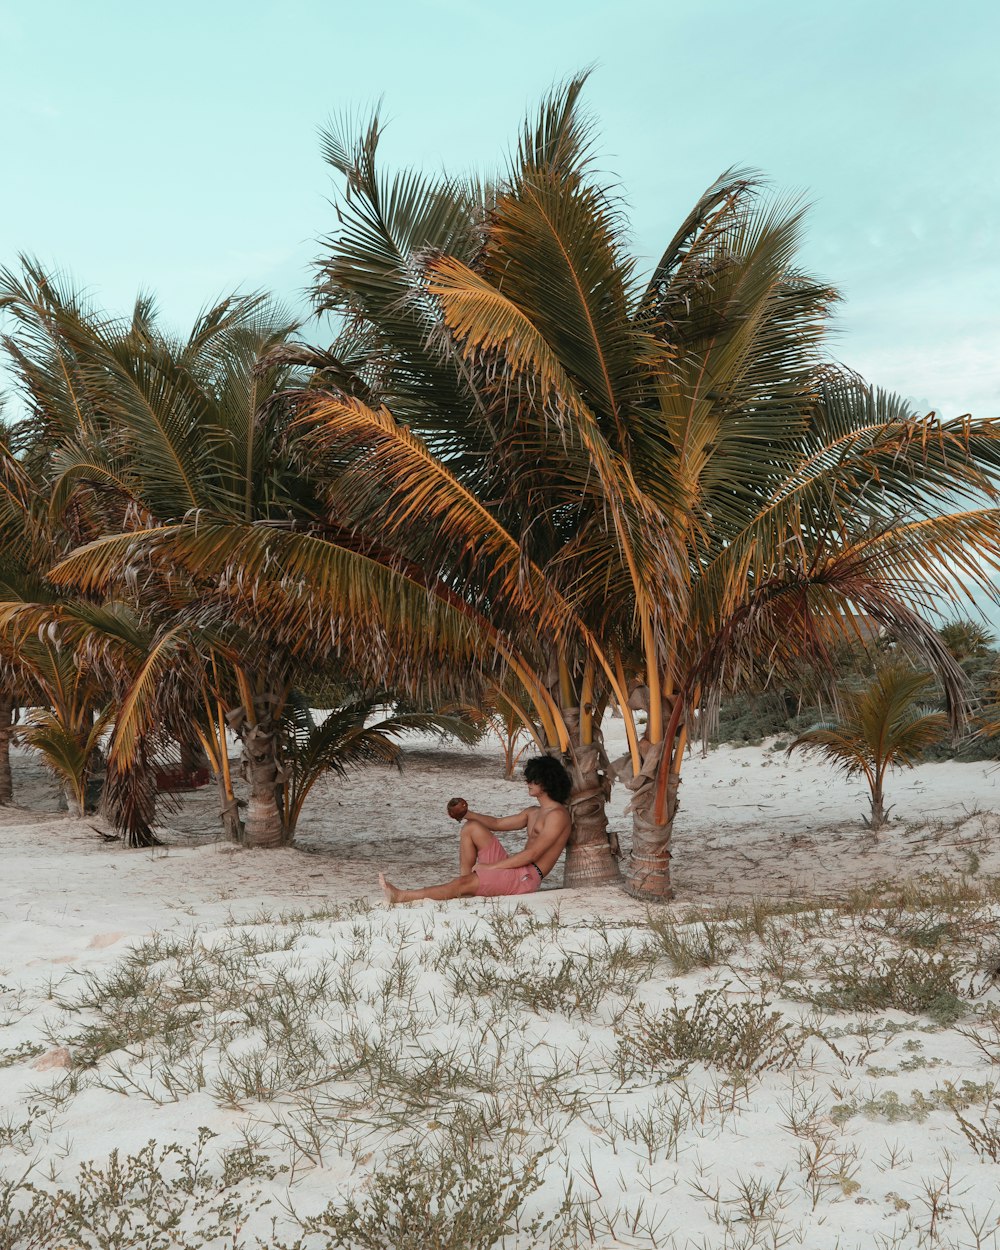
[[919, 981], [736, 1036], [435, 1198]]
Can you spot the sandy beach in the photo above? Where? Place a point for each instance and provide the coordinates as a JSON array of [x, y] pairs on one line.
[[754, 822], [324, 1044]]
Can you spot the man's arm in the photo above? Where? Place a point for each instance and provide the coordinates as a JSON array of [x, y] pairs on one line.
[[500, 824], [557, 830]]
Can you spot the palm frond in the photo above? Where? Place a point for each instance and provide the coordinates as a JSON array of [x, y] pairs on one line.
[[419, 498], [324, 589], [881, 726], [64, 748], [711, 213], [138, 715], [558, 140]]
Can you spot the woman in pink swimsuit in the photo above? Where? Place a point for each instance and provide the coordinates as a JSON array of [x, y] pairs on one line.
[[485, 868]]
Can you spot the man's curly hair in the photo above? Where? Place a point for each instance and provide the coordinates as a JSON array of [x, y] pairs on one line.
[[550, 775]]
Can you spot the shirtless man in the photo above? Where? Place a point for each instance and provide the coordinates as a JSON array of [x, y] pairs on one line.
[[485, 868]]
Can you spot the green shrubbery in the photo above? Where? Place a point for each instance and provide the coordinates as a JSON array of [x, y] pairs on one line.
[[787, 711]]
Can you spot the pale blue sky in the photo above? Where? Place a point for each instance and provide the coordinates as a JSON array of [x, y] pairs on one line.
[[173, 147]]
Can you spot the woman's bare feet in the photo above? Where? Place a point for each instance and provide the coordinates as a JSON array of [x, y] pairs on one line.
[[392, 895]]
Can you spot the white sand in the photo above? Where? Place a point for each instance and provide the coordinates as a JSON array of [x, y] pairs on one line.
[[753, 823]]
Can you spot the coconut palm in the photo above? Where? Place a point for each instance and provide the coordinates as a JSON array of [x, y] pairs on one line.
[[8, 671], [81, 660], [8, 710], [881, 727], [967, 640], [169, 464], [665, 475], [68, 731], [355, 732], [512, 726], [140, 429], [442, 444], [67, 698]]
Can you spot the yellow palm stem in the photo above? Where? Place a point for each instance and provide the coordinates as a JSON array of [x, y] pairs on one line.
[[667, 760], [227, 779], [587, 704], [567, 695], [246, 695], [549, 715], [210, 747], [654, 726], [679, 749], [524, 717], [621, 693], [218, 722], [680, 743]]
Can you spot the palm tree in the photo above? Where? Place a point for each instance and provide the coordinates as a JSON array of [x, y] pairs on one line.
[[8, 671], [67, 696], [880, 728], [8, 711], [967, 640], [349, 735], [665, 476], [442, 444], [82, 662], [172, 467], [139, 429], [512, 726], [68, 732]]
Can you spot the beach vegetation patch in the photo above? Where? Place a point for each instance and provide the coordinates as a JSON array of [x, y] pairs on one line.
[[695, 944], [20, 1054], [917, 981], [157, 1198], [889, 1105], [505, 1104], [438, 1196], [983, 1135], [716, 1030]]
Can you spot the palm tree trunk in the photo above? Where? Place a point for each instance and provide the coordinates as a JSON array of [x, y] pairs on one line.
[[6, 730], [73, 805], [879, 814], [229, 809], [592, 850], [648, 871], [263, 825], [215, 748]]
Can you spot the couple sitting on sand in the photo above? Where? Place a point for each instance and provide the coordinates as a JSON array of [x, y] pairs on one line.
[[485, 868]]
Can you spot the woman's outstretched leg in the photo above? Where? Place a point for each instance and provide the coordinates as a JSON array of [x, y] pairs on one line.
[[461, 887]]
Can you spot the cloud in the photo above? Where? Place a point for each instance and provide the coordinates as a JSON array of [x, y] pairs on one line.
[[930, 333], [952, 376], [37, 108]]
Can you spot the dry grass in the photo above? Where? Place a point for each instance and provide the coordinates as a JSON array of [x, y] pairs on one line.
[[507, 1080]]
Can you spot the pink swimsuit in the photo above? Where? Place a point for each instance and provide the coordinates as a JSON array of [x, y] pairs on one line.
[[495, 881]]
